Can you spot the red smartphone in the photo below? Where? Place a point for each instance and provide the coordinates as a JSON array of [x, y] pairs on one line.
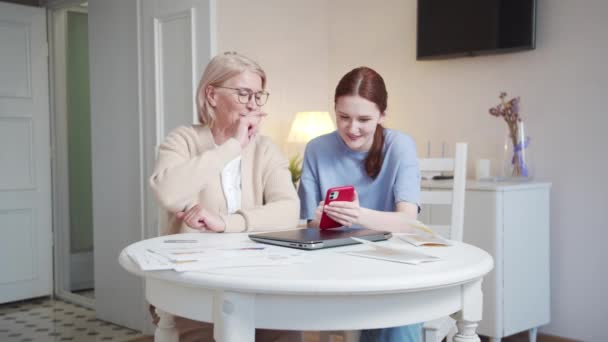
[[339, 193]]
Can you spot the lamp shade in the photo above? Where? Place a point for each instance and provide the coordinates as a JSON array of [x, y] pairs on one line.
[[309, 125]]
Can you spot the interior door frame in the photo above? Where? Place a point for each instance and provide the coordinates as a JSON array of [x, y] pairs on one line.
[[57, 28]]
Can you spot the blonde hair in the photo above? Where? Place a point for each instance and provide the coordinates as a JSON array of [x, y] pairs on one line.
[[219, 70]]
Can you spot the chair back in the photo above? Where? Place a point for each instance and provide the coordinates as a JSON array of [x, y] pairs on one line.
[[453, 197]]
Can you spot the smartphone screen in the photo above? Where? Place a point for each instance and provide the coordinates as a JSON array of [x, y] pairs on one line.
[[340, 193]]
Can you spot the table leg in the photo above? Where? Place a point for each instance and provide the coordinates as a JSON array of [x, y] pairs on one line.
[[165, 330], [467, 319], [532, 334], [233, 317], [466, 331]]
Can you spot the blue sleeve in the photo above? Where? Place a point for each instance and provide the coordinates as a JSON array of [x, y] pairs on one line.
[[407, 182], [308, 190]]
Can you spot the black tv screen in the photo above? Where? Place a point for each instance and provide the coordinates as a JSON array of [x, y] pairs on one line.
[[453, 28]]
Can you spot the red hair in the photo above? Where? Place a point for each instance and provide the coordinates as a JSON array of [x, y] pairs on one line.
[[368, 84]]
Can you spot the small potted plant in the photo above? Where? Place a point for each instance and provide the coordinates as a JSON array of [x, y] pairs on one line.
[[295, 167]]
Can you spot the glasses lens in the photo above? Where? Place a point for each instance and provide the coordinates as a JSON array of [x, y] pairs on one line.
[[244, 96], [261, 98]]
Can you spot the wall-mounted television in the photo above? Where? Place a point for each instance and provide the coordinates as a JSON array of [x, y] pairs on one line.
[[454, 28]]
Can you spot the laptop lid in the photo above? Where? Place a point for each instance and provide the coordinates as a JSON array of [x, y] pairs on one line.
[[314, 238]]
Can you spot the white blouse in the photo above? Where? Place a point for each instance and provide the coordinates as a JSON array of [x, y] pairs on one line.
[[231, 184]]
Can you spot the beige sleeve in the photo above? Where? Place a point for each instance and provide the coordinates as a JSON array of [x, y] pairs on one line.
[[181, 172], [281, 209]]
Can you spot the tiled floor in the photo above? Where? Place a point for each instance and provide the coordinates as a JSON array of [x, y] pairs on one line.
[[48, 320]]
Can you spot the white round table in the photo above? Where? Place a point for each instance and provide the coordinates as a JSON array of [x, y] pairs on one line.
[[332, 291]]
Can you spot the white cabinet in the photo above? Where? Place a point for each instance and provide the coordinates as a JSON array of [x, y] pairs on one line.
[[510, 220]]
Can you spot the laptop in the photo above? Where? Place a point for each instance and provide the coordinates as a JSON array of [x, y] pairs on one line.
[[314, 238]]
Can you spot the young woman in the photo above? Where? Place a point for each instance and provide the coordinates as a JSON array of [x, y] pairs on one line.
[[380, 163]]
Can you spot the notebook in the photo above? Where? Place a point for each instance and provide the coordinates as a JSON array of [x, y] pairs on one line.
[[313, 238]]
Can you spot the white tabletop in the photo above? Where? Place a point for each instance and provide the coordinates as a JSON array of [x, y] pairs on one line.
[[328, 271], [325, 290]]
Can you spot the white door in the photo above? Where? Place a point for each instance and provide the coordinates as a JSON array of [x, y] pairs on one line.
[[25, 165], [145, 58], [178, 42]]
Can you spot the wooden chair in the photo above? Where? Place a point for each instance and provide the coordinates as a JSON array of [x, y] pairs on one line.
[[436, 330]]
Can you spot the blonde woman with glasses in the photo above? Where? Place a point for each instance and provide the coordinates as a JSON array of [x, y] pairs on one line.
[[221, 175]]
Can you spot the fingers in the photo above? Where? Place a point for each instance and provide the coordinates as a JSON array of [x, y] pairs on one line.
[[342, 219], [191, 213], [353, 214], [213, 222], [344, 204], [319, 211], [193, 218], [246, 129], [196, 224], [346, 215]]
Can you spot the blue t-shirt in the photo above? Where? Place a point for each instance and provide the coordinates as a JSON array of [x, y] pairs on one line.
[[328, 162]]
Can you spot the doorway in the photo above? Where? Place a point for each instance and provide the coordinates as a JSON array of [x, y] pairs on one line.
[[71, 135]]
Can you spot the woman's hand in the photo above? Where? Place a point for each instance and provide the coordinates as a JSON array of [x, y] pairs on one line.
[[318, 212], [247, 127], [201, 219], [344, 212]]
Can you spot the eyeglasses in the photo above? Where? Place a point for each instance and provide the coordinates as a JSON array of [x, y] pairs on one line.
[[244, 95]]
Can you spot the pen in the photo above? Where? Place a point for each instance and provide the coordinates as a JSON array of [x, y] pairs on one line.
[[179, 241], [245, 249]]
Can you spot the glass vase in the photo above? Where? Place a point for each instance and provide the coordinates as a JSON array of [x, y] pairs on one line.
[[517, 153]]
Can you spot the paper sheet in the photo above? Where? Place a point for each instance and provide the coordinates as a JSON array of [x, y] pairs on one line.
[[197, 257], [383, 252]]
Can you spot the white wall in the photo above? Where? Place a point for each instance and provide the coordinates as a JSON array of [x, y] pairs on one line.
[[307, 46], [289, 39]]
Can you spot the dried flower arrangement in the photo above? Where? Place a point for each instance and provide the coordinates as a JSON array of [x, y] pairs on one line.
[[509, 111]]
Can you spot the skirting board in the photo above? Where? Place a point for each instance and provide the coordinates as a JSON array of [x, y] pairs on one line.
[[551, 338], [523, 337]]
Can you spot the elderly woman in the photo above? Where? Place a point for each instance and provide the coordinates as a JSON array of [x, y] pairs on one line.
[[220, 175]]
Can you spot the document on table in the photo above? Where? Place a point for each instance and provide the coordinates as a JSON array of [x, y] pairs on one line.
[[395, 254], [195, 257], [149, 261]]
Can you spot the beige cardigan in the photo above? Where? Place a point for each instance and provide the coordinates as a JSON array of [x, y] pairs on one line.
[[188, 172]]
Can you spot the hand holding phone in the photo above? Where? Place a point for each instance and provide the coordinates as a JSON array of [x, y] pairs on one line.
[[340, 193]]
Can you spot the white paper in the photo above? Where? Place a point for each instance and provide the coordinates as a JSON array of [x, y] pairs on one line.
[[197, 257], [402, 257], [384, 252], [149, 261]]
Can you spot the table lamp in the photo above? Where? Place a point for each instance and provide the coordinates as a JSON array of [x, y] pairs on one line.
[[309, 125], [305, 127]]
